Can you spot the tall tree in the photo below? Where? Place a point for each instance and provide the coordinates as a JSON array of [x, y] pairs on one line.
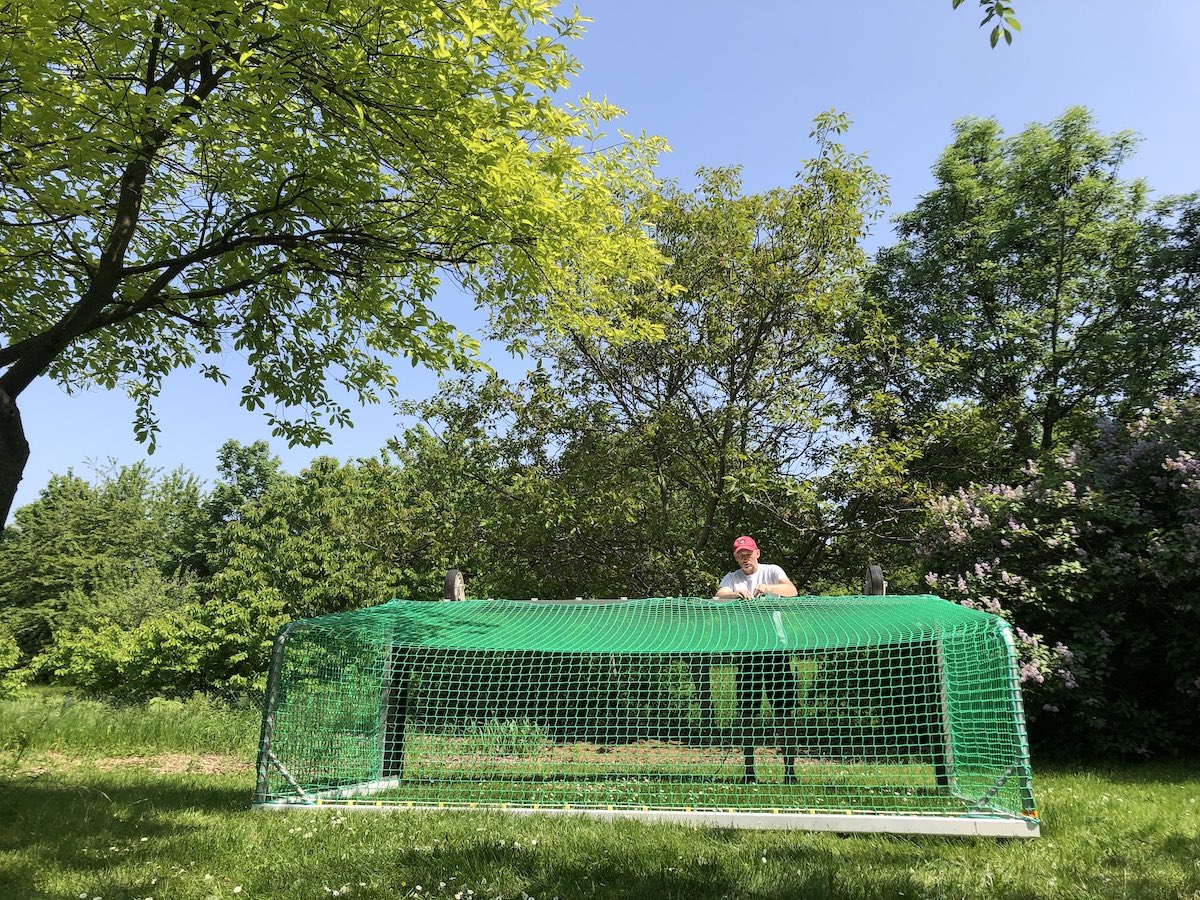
[[290, 181], [1043, 280], [737, 393], [645, 457], [245, 473]]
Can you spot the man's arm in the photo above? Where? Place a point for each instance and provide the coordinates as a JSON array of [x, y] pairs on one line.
[[782, 588], [728, 592]]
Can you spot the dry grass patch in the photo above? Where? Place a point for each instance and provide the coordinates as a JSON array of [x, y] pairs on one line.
[[46, 762]]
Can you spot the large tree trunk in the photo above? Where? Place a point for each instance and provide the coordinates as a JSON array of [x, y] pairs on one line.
[[14, 453]]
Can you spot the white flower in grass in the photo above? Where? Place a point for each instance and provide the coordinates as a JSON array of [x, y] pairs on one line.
[[238, 889]]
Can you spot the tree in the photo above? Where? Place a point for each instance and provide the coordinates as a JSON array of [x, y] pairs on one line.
[[532, 492], [734, 404], [1044, 281], [332, 538], [245, 473], [647, 455], [11, 678], [79, 539], [138, 639], [291, 181]]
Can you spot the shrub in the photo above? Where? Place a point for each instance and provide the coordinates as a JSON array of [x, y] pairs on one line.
[[11, 677], [164, 637], [1097, 550]]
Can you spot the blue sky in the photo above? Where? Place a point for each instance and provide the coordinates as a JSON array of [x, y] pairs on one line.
[[734, 84]]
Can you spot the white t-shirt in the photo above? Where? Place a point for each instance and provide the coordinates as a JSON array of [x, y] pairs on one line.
[[764, 574]]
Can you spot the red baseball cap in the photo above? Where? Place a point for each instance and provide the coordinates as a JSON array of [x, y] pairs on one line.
[[745, 542]]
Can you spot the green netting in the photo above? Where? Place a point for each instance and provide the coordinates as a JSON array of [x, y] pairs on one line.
[[903, 705]]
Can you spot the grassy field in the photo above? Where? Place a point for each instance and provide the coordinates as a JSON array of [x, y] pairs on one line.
[[118, 804]]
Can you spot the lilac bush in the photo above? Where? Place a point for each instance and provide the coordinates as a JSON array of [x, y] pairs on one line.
[[1011, 550], [1092, 558]]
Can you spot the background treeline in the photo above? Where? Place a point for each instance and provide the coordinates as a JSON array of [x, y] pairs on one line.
[[1001, 407]]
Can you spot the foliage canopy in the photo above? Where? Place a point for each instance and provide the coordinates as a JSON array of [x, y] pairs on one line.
[[291, 181]]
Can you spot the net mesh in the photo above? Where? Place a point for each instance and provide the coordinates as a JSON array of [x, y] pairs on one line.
[[811, 704]]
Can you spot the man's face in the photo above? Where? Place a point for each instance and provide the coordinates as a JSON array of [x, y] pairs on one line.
[[747, 559]]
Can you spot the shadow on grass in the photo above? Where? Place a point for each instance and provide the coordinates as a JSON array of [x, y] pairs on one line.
[[86, 828], [631, 860], [82, 823]]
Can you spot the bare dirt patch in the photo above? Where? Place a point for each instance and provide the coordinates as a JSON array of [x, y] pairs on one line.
[[48, 761], [636, 758], [178, 764]]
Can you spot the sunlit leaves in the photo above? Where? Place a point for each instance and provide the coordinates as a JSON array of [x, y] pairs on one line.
[[313, 174], [1030, 266], [619, 450]]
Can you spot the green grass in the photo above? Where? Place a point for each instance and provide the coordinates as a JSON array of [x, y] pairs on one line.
[[73, 822], [47, 719]]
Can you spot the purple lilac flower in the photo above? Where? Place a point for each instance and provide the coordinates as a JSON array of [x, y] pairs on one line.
[[1030, 672]]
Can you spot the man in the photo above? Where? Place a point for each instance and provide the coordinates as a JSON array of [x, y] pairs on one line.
[[751, 578], [759, 673]]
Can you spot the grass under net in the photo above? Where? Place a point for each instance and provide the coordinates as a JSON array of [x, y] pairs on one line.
[[808, 707]]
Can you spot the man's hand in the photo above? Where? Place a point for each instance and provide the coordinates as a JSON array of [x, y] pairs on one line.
[[763, 590], [745, 593]]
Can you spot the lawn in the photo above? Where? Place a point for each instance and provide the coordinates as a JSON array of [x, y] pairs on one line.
[[154, 802]]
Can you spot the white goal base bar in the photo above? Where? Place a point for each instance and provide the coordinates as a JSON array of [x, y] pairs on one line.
[[850, 822]]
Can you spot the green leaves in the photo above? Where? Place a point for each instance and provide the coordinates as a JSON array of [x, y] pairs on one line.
[[295, 181], [1030, 266], [1092, 546], [11, 677], [997, 9], [618, 449], [78, 540]]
